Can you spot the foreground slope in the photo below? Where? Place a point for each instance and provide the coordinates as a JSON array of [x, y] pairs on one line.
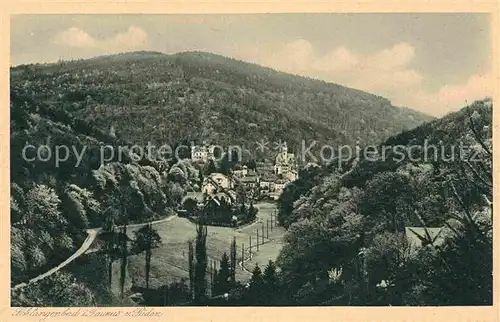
[[347, 227]]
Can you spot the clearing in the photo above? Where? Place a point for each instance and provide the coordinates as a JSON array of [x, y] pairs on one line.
[[169, 262]]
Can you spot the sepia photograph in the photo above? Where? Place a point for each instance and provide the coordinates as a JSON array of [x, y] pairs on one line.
[[263, 159]]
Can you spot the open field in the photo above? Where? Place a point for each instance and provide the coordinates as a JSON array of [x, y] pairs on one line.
[[169, 262]]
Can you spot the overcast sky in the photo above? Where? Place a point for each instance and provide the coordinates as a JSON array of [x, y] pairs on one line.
[[428, 62]]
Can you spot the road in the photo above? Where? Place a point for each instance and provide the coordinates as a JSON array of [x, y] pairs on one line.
[[92, 233], [266, 212]]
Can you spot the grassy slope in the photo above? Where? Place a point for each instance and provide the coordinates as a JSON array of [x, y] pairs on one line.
[[169, 262]]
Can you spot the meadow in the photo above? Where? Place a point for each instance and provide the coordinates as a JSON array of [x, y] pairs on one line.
[[169, 262]]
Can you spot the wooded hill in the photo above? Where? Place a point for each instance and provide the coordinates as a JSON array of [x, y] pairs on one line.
[[196, 96], [354, 218]]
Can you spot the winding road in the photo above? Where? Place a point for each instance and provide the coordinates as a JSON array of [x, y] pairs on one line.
[[92, 233]]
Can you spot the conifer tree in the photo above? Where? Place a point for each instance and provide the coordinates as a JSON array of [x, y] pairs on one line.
[[124, 254], [149, 246], [109, 236], [200, 267], [271, 284], [233, 261], [191, 268], [256, 289], [223, 276]]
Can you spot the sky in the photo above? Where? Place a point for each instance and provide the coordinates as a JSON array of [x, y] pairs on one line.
[[430, 62]]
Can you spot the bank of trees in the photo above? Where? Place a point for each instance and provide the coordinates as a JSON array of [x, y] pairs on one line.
[[347, 243], [49, 199], [205, 94], [220, 211]]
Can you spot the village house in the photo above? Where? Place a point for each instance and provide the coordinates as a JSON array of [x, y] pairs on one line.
[[218, 188], [251, 182], [227, 196], [197, 196], [279, 185], [216, 182], [240, 172], [290, 175], [419, 237], [265, 184], [202, 153]]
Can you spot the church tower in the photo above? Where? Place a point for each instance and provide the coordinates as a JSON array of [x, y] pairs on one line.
[[284, 148]]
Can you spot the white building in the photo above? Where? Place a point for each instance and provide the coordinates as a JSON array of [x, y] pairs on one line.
[[202, 153], [215, 183], [285, 162], [240, 173]]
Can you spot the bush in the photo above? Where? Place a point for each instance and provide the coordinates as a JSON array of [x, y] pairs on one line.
[[145, 238]]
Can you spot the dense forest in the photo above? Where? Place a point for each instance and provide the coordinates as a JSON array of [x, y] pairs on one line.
[[346, 227], [197, 96], [52, 204]]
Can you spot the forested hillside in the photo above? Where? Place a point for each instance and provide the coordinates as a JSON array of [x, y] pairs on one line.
[[195, 96], [346, 227], [52, 204]]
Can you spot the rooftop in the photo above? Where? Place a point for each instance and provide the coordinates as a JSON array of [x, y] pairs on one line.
[[416, 235], [249, 179]]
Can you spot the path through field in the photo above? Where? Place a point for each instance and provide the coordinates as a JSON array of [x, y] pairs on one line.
[[91, 236], [169, 262]]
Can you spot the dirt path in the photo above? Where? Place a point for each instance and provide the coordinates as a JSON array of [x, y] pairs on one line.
[[92, 234]]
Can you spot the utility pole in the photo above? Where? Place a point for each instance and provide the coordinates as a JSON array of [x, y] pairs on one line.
[[263, 233], [250, 248], [242, 256], [267, 228], [257, 239]]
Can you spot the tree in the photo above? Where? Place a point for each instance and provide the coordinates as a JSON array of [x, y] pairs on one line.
[[388, 201], [243, 211], [462, 267], [228, 162], [251, 164], [308, 177], [82, 210], [178, 292], [177, 175], [271, 284], [233, 260], [43, 208], [148, 255], [60, 289], [175, 194], [252, 212], [270, 277], [209, 168], [146, 238], [256, 278], [200, 268], [123, 264], [256, 288], [191, 268], [387, 262], [222, 279], [307, 257], [191, 206], [110, 241]]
